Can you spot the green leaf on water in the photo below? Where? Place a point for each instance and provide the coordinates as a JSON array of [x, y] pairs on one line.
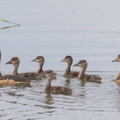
[[15, 24]]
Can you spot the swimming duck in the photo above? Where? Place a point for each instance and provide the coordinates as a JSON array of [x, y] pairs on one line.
[[68, 73], [117, 59], [15, 61], [55, 89], [82, 76], [117, 79], [40, 60], [12, 80]]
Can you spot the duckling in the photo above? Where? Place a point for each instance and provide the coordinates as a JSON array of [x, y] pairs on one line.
[[91, 78], [12, 80], [40, 60], [117, 59], [117, 79], [55, 89], [15, 61], [68, 73]]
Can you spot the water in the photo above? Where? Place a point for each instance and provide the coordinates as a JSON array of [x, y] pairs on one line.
[[83, 29]]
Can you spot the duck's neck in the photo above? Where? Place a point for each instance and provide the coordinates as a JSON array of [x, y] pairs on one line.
[[68, 68], [48, 84], [15, 72], [40, 69], [0, 73], [82, 72]]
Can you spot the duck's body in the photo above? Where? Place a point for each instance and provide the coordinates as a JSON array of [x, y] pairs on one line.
[[117, 79], [68, 73], [15, 61], [82, 76], [12, 80], [54, 89]]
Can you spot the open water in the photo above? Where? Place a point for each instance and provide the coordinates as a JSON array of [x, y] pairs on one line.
[[84, 29]]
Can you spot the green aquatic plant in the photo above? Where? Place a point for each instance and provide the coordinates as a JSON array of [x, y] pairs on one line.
[[14, 24]]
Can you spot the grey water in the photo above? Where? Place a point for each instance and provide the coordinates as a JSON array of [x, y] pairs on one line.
[[84, 29]]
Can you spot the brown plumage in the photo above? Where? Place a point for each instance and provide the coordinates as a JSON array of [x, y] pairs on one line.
[[41, 60], [68, 73], [117, 79], [12, 80], [82, 76], [15, 61], [55, 89], [117, 59]]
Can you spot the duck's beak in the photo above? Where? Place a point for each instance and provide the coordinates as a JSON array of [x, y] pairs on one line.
[[62, 60], [34, 60], [115, 60], [9, 62], [75, 64]]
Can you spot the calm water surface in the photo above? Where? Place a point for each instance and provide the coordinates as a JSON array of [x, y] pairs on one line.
[[84, 29]]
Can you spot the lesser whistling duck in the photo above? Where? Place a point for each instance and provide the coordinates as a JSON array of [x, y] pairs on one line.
[[15, 61], [55, 89], [117, 79], [68, 73], [40, 60], [12, 80], [82, 76]]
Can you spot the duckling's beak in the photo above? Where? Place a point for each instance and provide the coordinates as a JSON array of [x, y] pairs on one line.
[[62, 60], [9, 62], [75, 64], [115, 60], [34, 60]]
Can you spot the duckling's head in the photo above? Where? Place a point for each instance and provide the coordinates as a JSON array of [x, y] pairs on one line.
[[39, 59], [49, 74], [81, 63], [14, 61], [117, 59], [67, 59]]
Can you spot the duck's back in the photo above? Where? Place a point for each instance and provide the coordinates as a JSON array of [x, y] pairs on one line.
[[91, 78], [59, 90]]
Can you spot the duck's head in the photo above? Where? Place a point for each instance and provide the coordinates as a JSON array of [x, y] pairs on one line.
[[67, 59], [39, 59], [81, 63], [14, 61], [117, 59], [49, 74]]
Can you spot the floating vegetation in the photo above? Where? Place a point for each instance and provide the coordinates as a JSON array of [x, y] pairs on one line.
[[13, 24]]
